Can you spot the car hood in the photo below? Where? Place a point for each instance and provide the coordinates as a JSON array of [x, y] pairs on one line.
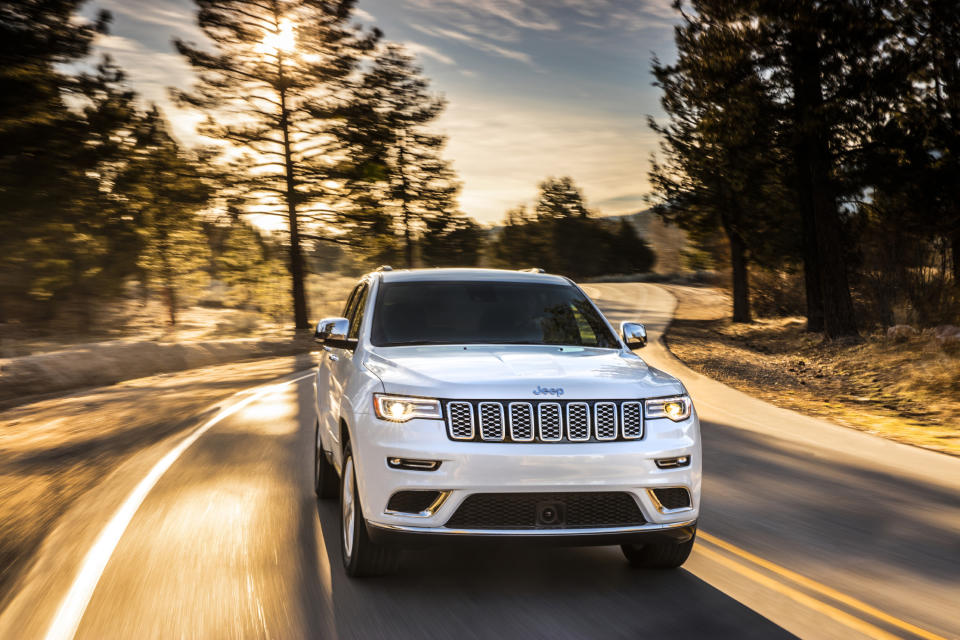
[[518, 373]]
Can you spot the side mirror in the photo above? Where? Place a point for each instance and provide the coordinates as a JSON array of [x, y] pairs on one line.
[[634, 335], [332, 332]]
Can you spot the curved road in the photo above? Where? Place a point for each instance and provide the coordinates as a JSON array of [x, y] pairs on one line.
[[808, 529]]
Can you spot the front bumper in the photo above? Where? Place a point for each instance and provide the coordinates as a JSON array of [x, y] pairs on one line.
[[403, 536], [495, 467]]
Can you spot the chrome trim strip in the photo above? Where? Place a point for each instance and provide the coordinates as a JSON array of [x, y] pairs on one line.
[[650, 526], [540, 408], [429, 511], [586, 413], [623, 406], [530, 417], [503, 422], [596, 420], [473, 423], [661, 508]]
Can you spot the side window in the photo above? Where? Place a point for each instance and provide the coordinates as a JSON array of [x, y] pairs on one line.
[[357, 318], [348, 308]]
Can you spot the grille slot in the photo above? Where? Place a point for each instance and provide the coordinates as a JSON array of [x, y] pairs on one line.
[[546, 421], [578, 421], [551, 422], [521, 421], [672, 498], [460, 420], [491, 420], [519, 510], [631, 420], [605, 420]]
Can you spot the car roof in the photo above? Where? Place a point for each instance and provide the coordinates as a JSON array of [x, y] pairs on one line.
[[461, 275]]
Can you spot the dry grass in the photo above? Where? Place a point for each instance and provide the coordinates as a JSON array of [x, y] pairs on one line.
[[133, 321], [906, 391]]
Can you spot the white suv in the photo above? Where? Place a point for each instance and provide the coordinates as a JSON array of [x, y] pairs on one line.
[[485, 404]]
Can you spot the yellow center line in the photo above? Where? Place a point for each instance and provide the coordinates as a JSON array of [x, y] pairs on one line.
[[843, 617], [812, 585]]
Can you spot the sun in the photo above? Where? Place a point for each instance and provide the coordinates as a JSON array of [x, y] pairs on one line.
[[283, 40]]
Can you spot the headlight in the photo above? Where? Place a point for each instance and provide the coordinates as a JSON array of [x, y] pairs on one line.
[[404, 408], [676, 408]]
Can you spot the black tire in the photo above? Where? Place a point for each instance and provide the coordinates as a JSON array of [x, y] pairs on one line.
[[362, 557], [326, 484], [660, 555]]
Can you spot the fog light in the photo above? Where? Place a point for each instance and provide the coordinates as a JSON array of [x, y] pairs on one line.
[[413, 465], [673, 463]]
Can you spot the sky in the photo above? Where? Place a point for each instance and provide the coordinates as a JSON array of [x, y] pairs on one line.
[[535, 88]]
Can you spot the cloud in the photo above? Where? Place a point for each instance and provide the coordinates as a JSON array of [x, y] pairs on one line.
[[366, 16], [518, 13], [428, 52], [151, 73], [476, 43], [163, 14]]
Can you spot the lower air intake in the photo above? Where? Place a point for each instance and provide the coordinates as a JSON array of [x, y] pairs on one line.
[[412, 501], [580, 510], [673, 498]]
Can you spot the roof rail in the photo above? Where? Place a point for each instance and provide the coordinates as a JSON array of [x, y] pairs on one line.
[[384, 267], [532, 270]]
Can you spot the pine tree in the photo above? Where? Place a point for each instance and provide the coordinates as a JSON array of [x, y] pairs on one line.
[[560, 198], [451, 241], [248, 266], [164, 190], [719, 167], [827, 64], [274, 86], [42, 174], [405, 172]]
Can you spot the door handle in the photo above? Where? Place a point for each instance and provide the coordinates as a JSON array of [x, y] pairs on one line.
[[334, 357]]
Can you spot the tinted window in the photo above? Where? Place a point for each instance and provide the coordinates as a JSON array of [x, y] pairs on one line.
[[357, 319], [348, 308], [486, 313]]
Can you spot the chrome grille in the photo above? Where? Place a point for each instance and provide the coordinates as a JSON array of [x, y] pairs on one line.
[[631, 420], [578, 421], [605, 420], [551, 424], [460, 420], [547, 421], [521, 421], [491, 420]]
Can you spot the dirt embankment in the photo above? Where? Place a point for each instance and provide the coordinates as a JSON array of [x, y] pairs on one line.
[[907, 391], [99, 364]]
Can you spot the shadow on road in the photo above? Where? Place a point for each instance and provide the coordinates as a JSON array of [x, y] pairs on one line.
[[504, 592]]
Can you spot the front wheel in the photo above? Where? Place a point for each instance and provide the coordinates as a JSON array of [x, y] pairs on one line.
[[660, 555], [361, 556], [325, 481]]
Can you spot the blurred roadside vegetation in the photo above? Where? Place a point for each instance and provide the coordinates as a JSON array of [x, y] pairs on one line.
[[110, 227]]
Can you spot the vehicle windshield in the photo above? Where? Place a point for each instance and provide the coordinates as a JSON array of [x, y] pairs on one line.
[[424, 313]]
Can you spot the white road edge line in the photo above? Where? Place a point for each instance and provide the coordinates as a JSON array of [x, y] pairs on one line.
[[74, 605]]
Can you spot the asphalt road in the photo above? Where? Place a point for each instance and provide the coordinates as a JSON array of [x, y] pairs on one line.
[[808, 529]]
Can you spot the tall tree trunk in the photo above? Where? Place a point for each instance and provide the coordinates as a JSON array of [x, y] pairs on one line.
[[811, 261], [741, 283], [300, 315], [169, 286], [955, 257], [814, 163]]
